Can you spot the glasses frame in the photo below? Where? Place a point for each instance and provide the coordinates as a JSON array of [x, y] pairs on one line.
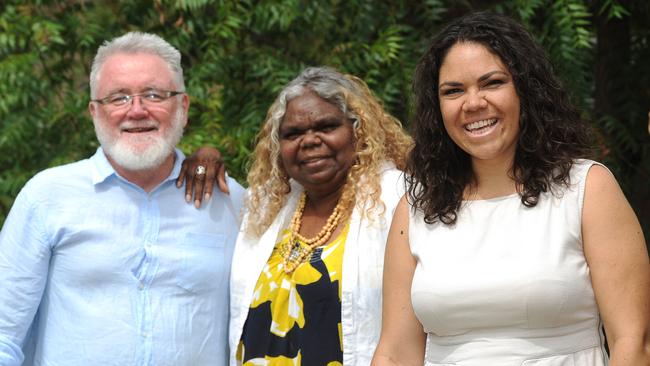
[[130, 97]]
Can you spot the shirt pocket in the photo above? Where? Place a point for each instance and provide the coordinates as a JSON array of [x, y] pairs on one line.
[[203, 265]]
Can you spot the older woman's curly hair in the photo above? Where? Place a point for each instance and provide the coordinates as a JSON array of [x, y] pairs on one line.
[[379, 138], [552, 133]]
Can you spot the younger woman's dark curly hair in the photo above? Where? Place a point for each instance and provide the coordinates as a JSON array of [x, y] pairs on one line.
[[552, 133]]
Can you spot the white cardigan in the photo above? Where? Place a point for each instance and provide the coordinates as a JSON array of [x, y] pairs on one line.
[[363, 262]]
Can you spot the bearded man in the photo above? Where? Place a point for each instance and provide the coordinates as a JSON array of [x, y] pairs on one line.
[[102, 262]]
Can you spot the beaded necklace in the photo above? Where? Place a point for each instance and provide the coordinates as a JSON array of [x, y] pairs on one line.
[[298, 248]]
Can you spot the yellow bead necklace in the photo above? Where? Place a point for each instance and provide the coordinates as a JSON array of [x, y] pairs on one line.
[[299, 248]]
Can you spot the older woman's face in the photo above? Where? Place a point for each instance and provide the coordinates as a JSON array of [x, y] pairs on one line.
[[479, 104], [316, 144]]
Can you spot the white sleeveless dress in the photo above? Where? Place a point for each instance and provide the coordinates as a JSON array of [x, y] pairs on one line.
[[508, 285]]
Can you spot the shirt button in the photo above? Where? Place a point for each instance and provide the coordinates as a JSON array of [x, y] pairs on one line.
[[140, 286]]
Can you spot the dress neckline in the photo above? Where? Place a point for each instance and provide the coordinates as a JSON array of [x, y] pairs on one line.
[[495, 199]]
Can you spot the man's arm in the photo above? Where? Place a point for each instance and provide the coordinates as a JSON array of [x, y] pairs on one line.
[[24, 263]]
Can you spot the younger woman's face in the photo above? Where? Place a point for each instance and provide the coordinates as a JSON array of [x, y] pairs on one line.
[[479, 103]]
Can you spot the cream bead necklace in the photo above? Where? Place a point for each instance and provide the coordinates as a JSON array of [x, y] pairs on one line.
[[299, 248]]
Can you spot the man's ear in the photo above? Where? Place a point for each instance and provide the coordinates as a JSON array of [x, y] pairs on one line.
[[186, 107], [92, 109]]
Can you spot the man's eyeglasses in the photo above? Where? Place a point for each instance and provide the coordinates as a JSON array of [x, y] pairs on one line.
[[149, 97]]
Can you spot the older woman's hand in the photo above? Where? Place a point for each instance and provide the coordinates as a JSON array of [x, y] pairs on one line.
[[201, 171]]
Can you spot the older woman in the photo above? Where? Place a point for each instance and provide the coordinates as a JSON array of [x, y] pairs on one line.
[[307, 269], [509, 248]]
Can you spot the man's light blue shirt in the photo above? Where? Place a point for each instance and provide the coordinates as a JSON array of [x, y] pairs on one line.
[[95, 271]]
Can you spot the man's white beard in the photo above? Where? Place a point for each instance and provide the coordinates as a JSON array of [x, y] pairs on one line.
[[135, 158]]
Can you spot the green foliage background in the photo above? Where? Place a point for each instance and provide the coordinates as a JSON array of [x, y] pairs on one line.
[[237, 55]]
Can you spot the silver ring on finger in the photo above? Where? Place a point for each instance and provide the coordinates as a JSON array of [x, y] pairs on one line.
[[200, 170]]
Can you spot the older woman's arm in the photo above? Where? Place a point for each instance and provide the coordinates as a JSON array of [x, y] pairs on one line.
[[619, 266], [402, 338]]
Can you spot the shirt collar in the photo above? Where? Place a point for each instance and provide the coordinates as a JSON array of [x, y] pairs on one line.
[[102, 168]]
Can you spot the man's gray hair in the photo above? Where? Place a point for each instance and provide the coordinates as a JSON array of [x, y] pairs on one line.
[[137, 42]]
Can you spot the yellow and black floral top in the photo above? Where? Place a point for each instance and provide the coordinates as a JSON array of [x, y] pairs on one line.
[[295, 319]]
